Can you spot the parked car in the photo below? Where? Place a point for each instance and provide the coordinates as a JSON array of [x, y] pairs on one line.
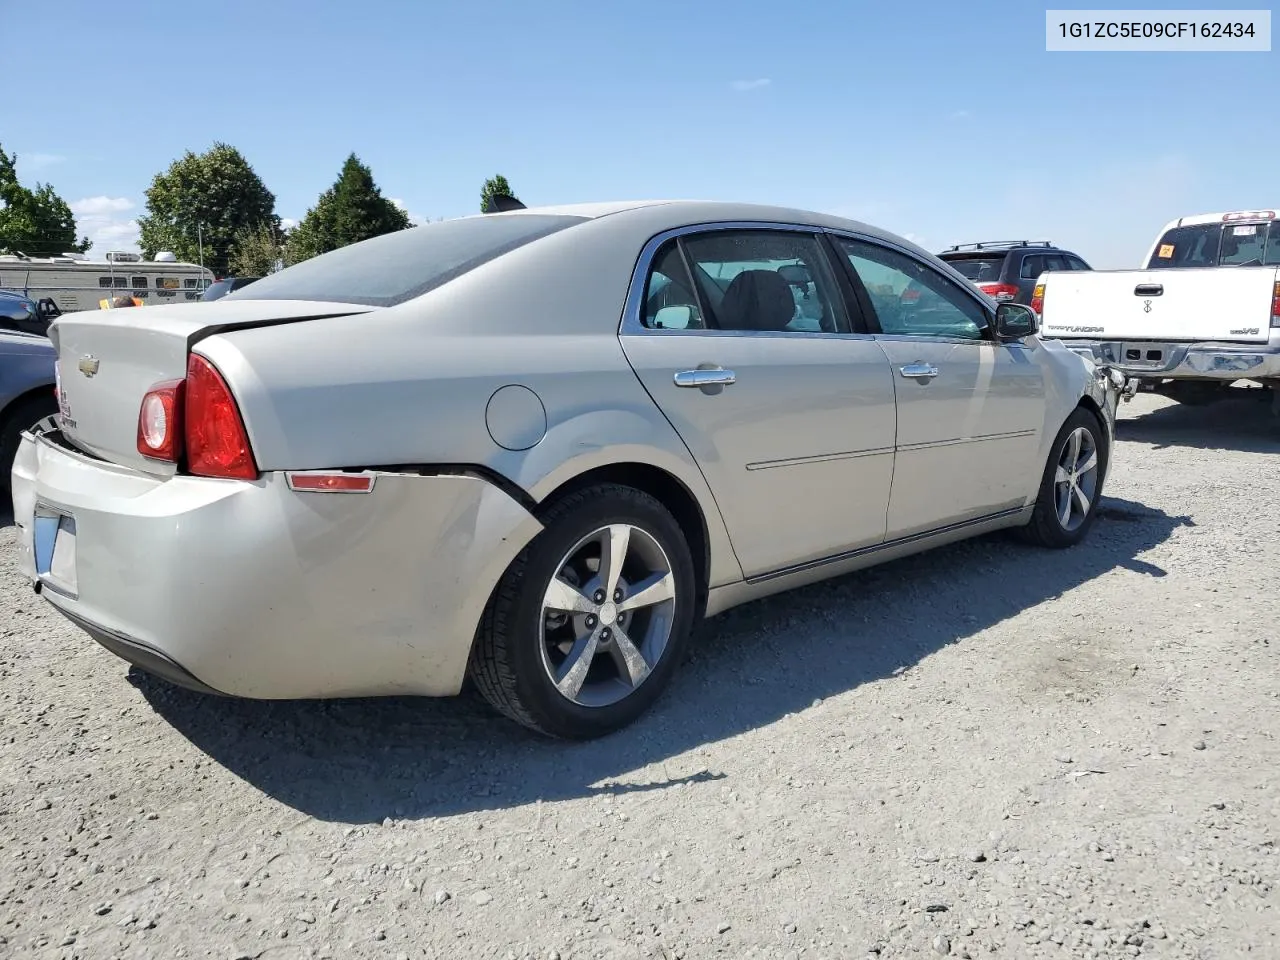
[[19, 312], [1007, 270], [535, 446], [27, 381], [224, 285], [1202, 314]]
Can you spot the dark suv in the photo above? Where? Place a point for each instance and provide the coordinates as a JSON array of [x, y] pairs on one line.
[[1007, 270]]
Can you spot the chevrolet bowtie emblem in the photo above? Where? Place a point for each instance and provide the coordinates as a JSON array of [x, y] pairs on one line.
[[89, 366]]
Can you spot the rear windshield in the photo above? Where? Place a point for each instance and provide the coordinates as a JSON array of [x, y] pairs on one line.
[[219, 288], [979, 269], [399, 266], [1219, 244]]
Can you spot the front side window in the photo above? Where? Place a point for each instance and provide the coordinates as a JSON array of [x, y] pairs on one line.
[[765, 281], [911, 298]]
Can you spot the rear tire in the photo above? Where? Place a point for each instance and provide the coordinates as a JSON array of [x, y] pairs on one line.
[[24, 415], [1071, 486], [600, 659]]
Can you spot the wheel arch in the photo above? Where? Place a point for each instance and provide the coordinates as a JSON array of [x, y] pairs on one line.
[[668, 490]]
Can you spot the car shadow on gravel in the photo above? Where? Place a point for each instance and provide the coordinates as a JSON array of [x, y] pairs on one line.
[[360, 761], [1243, 422]]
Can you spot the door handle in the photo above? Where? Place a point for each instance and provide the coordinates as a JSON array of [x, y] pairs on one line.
[[715, 377], [919, 371], [1149, 290]]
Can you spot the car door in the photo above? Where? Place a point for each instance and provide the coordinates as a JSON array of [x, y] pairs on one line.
[[970, 410], [788, 412]]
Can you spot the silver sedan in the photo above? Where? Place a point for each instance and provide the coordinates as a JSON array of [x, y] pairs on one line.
[[535, 446]]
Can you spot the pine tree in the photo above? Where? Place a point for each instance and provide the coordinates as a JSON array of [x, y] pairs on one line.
[[353, 209]]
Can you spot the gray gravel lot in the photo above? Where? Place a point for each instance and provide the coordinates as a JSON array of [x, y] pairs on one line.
[[986, 751]]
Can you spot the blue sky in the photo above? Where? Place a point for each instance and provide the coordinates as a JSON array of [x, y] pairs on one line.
[[947, 122]]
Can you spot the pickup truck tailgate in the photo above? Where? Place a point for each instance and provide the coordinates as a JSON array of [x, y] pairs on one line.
[[1182, 304]]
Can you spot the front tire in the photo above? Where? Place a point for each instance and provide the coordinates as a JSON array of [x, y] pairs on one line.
[[1067, 503], [590, 621]]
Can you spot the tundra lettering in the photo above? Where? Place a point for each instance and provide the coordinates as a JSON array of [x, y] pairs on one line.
[[1068, 329], [1246, 332]]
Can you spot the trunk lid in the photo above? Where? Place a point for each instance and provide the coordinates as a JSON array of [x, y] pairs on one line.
[[1183, 304], [109, 359]]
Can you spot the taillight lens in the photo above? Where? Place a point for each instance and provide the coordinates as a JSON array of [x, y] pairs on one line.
[[196, 418], [1037, 298], [999, 291], [160, 422], [1275, 305], [217, 444]]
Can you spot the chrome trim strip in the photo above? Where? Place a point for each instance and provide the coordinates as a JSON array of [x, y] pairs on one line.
[[958, 440], [886, 545], [819, 458]]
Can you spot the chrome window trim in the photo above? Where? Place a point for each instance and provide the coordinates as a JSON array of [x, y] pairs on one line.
[[631, 325]]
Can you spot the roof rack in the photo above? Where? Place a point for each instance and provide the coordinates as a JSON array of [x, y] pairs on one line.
[[998, 244]]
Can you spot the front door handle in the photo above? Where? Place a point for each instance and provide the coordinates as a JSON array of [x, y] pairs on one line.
[[715, 377], [918, 371]]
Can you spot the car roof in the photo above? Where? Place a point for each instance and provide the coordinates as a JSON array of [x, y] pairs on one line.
[[678, 213]]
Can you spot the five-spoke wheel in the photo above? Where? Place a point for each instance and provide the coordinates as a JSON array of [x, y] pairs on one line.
[[1072, 483], [589, 623]]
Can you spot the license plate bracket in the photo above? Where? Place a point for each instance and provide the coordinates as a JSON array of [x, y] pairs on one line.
[[54, 548]]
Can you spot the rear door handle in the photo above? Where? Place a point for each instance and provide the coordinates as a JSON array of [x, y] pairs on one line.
[[919, 370], [1149, 290], [715, 377]]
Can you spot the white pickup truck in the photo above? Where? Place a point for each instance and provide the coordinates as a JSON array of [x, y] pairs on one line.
[[1204, 313]]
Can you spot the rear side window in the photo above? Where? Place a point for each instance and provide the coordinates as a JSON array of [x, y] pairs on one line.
[[399, 266]]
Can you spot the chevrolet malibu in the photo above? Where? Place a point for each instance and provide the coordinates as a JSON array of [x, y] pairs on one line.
[[532, 447]]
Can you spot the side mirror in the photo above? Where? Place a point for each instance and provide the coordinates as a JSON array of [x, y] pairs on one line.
[[673, 318], [1015, 321]]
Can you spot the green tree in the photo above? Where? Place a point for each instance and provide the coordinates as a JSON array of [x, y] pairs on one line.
[[256, 251], [494, 186], [35, 222], [205, 200], [353, 209]]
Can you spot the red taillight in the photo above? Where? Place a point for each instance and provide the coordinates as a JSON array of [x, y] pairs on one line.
[[999, 291], [160, 422], [1275, 305], [217, 444]]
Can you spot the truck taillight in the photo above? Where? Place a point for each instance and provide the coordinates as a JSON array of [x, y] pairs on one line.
[[999, 292], [1275, 305], [1037, 298], [196, 418]]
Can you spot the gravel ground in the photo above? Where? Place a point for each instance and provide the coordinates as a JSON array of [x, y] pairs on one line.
[[985, 751]]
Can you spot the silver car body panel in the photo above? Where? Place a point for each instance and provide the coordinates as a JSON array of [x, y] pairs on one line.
[[258, 591], [472, 404]]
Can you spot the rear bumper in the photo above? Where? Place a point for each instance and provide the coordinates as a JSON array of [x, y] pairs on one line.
[[255, 590], [1198, 361]]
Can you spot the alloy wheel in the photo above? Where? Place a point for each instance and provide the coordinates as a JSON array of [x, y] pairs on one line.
[[607, 615]]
